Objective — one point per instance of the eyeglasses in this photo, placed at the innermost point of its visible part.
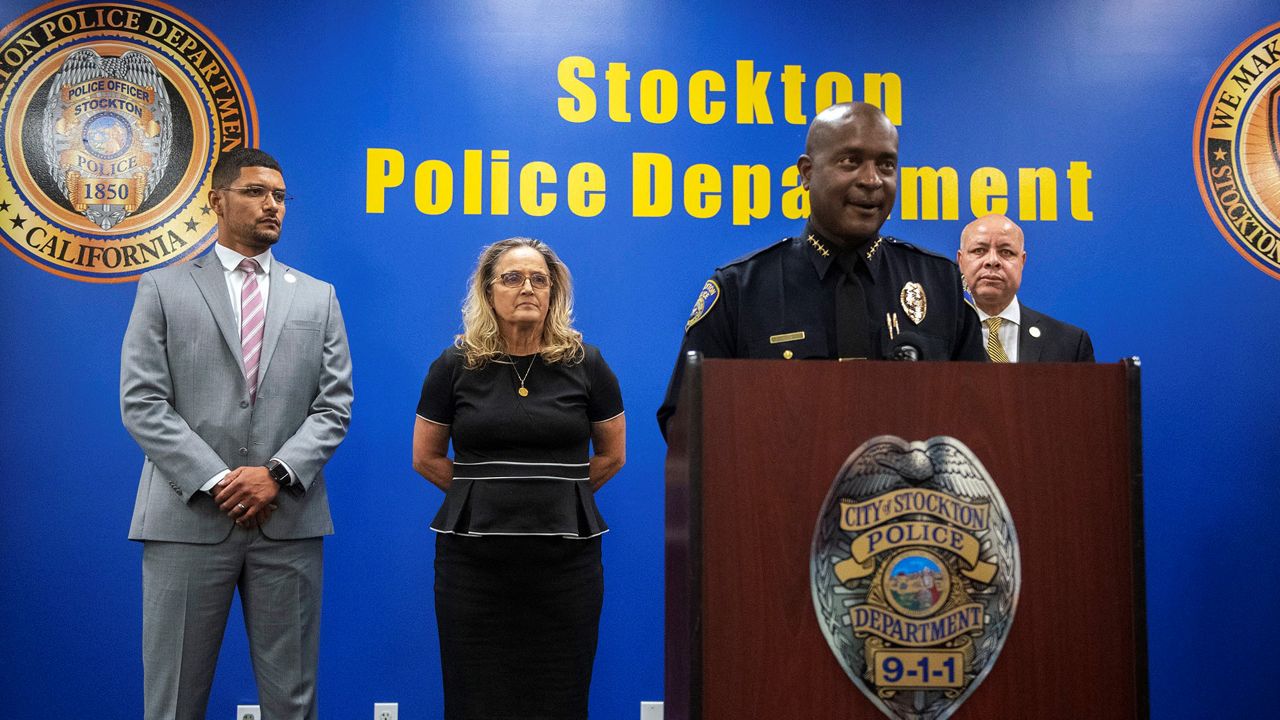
(513, 279)
(257, 192)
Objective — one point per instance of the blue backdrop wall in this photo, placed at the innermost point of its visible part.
(1103, 95)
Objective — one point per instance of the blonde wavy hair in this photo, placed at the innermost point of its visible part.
(481, 339)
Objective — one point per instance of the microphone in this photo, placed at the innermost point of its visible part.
(906, 346)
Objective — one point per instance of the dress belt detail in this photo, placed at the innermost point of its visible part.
(512, 470)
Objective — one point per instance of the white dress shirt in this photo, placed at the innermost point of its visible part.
(1012, 320)
(235, 277)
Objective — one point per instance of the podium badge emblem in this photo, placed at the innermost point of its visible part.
(915, 574)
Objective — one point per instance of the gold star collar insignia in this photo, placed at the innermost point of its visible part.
(874, 247)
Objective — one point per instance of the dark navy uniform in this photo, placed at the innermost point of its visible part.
(779, 302)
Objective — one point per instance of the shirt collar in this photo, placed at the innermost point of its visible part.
(818, 250)
(822, 252)
(230, 259)
(1012, 313)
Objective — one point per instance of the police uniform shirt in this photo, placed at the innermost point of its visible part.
(780, 302)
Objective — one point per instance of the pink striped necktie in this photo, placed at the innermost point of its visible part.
(253, 314)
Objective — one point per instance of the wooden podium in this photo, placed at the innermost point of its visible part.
(753, 450)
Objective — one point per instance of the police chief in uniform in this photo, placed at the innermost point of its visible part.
(840, 290)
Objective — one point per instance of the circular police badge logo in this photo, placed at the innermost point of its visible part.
(916, 583)
(1237, 149)
(113, 115)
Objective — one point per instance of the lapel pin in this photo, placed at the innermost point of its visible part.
(1034, 331)
(290, 277)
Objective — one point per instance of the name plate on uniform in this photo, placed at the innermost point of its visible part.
(915, 574)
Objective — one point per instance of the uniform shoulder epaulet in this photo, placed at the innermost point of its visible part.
(915, 248)
(756, 253)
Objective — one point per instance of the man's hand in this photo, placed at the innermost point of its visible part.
(247, 493)
(260, 519)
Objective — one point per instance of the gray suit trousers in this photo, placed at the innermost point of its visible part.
(186, 596)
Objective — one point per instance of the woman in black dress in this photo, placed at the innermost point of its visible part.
(535, 418)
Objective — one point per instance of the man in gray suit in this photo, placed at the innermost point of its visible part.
(992, 255)
(235, 379)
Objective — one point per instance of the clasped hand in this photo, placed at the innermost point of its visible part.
(246, 495)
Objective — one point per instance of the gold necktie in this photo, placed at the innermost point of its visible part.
(995, 350)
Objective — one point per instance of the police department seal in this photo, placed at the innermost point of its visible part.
(915, 574)
(1237, 149)
(113, 115)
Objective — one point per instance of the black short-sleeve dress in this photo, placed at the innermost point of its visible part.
(519, 582)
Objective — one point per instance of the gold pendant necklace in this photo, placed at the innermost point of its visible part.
(523, 391)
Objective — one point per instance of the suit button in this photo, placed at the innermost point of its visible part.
(244, 403)
(244, 451)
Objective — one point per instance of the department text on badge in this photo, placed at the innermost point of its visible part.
(193, 48)
(917, 633)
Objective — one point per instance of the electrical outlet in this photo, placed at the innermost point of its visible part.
(650, 711)
(386, 711)
(248, 712)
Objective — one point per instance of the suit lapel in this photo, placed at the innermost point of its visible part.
(211, 279)
(1029, 348)
(279, 300)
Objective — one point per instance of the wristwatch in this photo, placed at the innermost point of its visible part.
(279, 473)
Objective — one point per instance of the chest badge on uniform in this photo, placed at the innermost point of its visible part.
(915, 574)
(914, 303)
(706, 300)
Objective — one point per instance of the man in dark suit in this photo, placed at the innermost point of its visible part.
(992, 257)
(235, 380)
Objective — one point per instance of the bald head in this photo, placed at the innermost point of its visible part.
(993, 224)
(992, 256)
(827, 122)
(850, 168)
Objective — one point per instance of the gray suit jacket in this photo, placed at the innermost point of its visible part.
(184, 399)
(1054, 341)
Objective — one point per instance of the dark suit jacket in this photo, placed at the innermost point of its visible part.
(1058, 341)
